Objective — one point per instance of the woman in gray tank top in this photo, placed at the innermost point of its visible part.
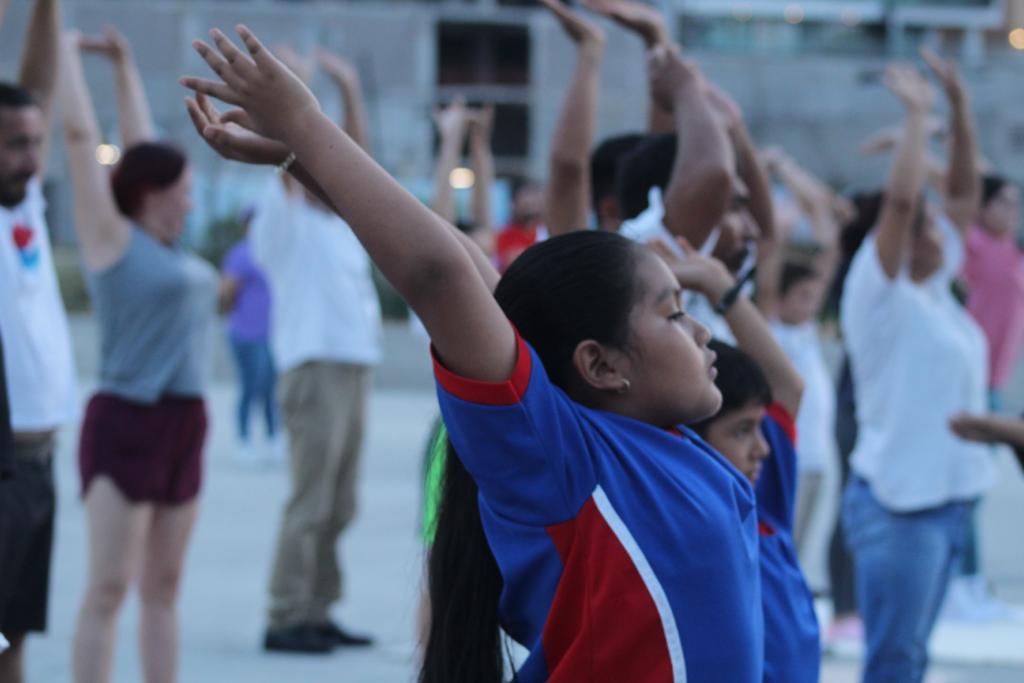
(143, 432)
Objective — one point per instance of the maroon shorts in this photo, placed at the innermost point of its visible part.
(153, 453)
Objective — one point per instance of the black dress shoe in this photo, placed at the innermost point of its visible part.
(300, 638)
(339, 636)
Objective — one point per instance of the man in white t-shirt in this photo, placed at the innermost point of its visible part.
(704, 184)
(325, 335)
(38, 364)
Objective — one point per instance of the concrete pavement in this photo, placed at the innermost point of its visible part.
(224, 595)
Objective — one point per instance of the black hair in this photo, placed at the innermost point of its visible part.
(604, 165)
(558, 293)
(15, 96)
(991, 185)
(740, 380)
(794, 273)
(648, 165)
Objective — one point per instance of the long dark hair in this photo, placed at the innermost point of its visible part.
(558, 293)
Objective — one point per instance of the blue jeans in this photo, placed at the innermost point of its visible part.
(258, 376)
(903, 563)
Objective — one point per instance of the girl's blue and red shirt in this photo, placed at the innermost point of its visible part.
(792, 648)
(628, 553)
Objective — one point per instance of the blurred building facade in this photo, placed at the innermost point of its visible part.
(806, 72)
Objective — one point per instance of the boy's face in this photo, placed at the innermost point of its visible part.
(737, 435)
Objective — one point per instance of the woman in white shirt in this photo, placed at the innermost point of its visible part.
(917, 359)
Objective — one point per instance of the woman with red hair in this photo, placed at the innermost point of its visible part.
(143, 432)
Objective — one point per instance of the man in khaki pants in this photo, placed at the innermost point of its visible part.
(325, 334)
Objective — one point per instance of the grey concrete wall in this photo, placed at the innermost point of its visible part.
(816, 106)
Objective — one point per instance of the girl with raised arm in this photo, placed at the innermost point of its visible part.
(917, 358)
(579, 514)
(143, 432)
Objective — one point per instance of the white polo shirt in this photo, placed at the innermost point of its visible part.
(917, 358)
(39, 366)
(649, 226)
(816, 420)
(325, 306)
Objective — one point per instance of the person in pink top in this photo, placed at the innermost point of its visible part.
(994, 275)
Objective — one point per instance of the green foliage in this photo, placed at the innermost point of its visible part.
(219, 236)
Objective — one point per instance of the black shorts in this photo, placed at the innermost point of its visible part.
(27, 507)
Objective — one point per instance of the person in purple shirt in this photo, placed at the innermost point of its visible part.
(245, 296)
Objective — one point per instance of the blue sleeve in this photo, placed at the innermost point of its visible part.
(521, 440)
(776, 489)
(233, 265)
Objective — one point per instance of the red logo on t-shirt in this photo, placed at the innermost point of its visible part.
(24, 240)
(22, 236)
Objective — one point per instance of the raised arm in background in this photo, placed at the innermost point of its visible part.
(568, 189)
(39, 69)
(452, 122)
(748, 162)
(133, 113)
(817, 202)
(963, 180)
(906, 178)
(648, 23)
(418, 252)
(103, 234)
(3, 10)
(700, 188)
(346, 79)
(710, 277)
(481, 127)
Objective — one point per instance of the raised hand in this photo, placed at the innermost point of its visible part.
(276, 100)
(911, 87)
(580, 30)
(451, 121)
(695, 271)
(481, 122)
(340, 70)
(112, 44)
(644, 20)
(669, 74)
(947, 74)
(229, 134)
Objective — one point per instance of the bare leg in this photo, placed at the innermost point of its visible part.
(12, 660)
(162, 566)
(117, 530)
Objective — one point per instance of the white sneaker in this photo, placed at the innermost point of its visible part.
(969, 599)
(246, 454)
(276, 450)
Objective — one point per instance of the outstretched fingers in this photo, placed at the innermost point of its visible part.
(260, 55)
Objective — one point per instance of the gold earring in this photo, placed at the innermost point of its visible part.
(625, 386)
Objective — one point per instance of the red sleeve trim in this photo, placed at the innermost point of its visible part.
(782, 416)
(506, 393)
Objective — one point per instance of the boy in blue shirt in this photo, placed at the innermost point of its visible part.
(755, 431)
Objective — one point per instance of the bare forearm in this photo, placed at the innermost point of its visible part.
(963, 181)
(40, 56)
(1006, 430)
(3, 11)
(356, 121)
(659, 119)
(443, 201)
(754, 337)
(99, 227)
(700, 188)
(753, 174)
(483, 169)
(134, 116)
(906, 180)
(568, 190)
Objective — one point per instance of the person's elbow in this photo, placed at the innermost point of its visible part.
(694, 205)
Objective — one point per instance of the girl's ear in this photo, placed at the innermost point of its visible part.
(599, 367)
